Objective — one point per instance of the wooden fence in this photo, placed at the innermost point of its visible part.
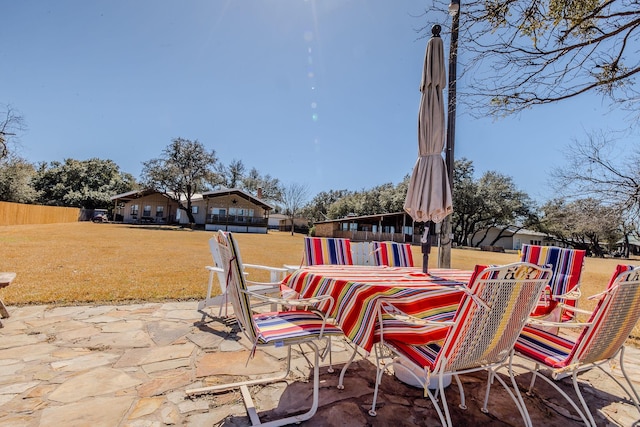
(20, 214)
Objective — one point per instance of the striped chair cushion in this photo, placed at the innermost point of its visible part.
(291, 325)
(567, 267)
(420, 355)
(544, 346)
(323, 251)
(558, 352)
(398, 330)
(393, 254)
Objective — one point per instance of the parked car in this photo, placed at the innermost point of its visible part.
(100, 215)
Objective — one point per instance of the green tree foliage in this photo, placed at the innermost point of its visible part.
(185, 168)
(318, 208)
(546, 51)
(231, 176)
(16, 175)
(491, 201)
(385, 198)
(81, 183)
(272, 189)
(583, 223)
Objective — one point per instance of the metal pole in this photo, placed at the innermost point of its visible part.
(446, 234)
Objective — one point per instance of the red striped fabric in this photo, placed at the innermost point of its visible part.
(291, 325)
(478, 334)
(611, 322)
(331, 251)
(393, 254)
(567, 268)
(357, 291)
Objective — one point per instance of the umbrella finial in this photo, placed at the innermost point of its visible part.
(435, 30)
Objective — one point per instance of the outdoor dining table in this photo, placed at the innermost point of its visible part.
(358, 290)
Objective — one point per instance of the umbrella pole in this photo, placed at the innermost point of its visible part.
(425, 243)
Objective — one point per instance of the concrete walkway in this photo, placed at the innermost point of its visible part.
(130, 366)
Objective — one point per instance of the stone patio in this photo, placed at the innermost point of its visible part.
(130, 366)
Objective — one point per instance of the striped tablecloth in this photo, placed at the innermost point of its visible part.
(358, 290)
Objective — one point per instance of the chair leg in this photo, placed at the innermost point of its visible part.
(229, 386)
(535, 373)
(574, 380)
(345, 367)
(249, 401)
(380, 368)
(633, 394)
(516, 397)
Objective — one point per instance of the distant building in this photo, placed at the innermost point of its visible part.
(396, 227)
(511, 238)
(228, 209)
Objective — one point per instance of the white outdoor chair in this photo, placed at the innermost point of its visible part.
(265, 288)
(480, 337)
(601, 340)
(302, 324)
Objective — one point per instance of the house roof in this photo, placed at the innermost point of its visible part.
(239, 193)
(136, 194)
(363, 217)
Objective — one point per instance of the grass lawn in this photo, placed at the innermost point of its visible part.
(98, 263)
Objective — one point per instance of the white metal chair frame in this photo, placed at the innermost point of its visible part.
(240, 298)
(607, 323)
(488, 321)
(264, 288)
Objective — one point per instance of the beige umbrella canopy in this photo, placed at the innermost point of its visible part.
(429, 194)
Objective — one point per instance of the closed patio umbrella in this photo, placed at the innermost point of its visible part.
(429, 194)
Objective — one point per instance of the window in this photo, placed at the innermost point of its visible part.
(134, 210)
(147, 211)
(159, 211)
(194, 209)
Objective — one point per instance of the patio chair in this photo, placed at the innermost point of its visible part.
(393, 254)
(564, 288)
(300, 325)
(327, 250)
(324, 251)
(481, 335)
(601, 339)
(266, 288)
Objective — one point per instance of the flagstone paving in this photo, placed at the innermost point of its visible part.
(130, 365)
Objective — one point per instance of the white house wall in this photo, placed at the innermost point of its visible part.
(199, 217)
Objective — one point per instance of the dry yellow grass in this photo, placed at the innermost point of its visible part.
(97, 263)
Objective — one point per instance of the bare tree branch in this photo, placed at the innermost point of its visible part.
(516, 54)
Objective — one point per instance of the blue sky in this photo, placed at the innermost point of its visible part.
(322, 93)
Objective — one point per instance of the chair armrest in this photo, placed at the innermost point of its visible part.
(401, 316)
(538, 322)
(214, 269)
(574, 309)
(573, 294)
(265, 267)
(291, 268)
(277, 273)
(297, 303)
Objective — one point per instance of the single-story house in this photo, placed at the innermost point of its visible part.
(512, 238)
(396, 227)
(145, 206)
(227, 209)
(282, 222)
(236, 210)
